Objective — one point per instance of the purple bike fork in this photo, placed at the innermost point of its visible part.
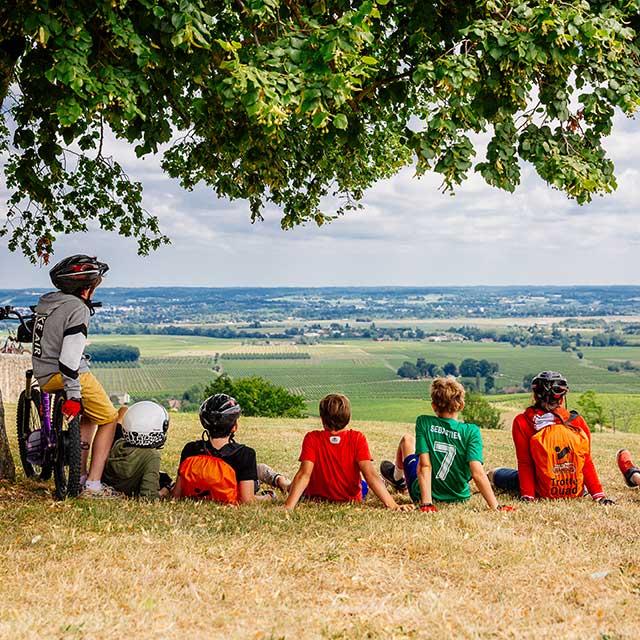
(45, 412)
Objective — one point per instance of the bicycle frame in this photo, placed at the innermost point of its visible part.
(45, 412)
(56, 450)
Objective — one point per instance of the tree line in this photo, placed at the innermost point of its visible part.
(113, 353)
(468, 368)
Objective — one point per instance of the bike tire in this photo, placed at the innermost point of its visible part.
(68, 454)
(27, 421)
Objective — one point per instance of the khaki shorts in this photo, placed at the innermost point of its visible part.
(96, 405)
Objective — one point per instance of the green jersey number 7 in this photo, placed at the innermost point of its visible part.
(450, 453)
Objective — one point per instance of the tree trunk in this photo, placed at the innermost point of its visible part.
(11, 48)
(7, 468)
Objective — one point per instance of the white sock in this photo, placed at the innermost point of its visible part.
(93, 485)
(398, 474)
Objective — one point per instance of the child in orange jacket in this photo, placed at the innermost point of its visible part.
(553, 448)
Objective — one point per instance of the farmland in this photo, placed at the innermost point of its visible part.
(366, 370)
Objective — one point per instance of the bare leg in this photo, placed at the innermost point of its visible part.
(406, 447)
(277, 480)
(87, 432)
(283, 483)
(100, 450)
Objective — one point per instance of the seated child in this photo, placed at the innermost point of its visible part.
(444, 456)
(553, 448)
(630, 472)
(333, 458)
(133, 465)
(218, 468)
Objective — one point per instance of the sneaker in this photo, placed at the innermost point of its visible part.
(267, 475)
(387, 469)
(626, 466)
(105, 492)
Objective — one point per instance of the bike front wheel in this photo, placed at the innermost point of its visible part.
(68, 455)
(33, 452)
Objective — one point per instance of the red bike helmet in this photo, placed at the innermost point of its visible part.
(77, 272)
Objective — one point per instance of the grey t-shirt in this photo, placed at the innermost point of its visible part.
(59, 339)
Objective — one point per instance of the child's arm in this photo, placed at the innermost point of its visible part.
(591, 479)
(482, 482)
(299, 484)
(246, 491)
(176, 492)
(376, 485)
(74, 340)
(424, 478)
(526, 467)
(150, 483)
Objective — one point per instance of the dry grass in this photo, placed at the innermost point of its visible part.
(120, 569)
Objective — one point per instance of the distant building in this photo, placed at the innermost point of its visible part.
(120, 398)
(512, 390)
(175, 404)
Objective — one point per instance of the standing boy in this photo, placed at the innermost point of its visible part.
(59, 339)
(445, 455)
(334, 458)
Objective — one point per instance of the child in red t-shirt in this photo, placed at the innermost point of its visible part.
(332, 461)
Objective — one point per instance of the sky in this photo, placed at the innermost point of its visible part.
(407, 234)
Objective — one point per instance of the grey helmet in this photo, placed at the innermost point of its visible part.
(549, 386)
(218, 414)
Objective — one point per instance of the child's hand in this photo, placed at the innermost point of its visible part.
(404, 507)
(605, 501)
(71, 408)
(428, 508)
(505, 507)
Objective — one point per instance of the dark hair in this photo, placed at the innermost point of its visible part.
(335, 411)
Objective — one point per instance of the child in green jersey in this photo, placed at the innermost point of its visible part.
(444, 456)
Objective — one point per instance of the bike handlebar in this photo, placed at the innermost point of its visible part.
(7, 312)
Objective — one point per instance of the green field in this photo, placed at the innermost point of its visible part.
(366, 371)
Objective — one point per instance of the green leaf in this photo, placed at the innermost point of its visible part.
(340, 121)
(320, 119)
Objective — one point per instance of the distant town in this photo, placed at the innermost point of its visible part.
(361, 305)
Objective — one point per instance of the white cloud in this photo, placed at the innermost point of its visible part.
(408, 233)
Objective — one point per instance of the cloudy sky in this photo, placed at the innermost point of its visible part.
(407, 234)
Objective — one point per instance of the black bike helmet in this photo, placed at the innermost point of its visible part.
(549, 386)
(218, 414)
(77, 272)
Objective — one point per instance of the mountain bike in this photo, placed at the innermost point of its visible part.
(47, 442)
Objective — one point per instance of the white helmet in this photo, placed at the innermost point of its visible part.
(145, 425)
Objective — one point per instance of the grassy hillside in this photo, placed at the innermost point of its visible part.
(114, 569)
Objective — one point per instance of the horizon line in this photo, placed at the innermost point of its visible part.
(104, 287)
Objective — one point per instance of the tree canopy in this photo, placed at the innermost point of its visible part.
(289, 101)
